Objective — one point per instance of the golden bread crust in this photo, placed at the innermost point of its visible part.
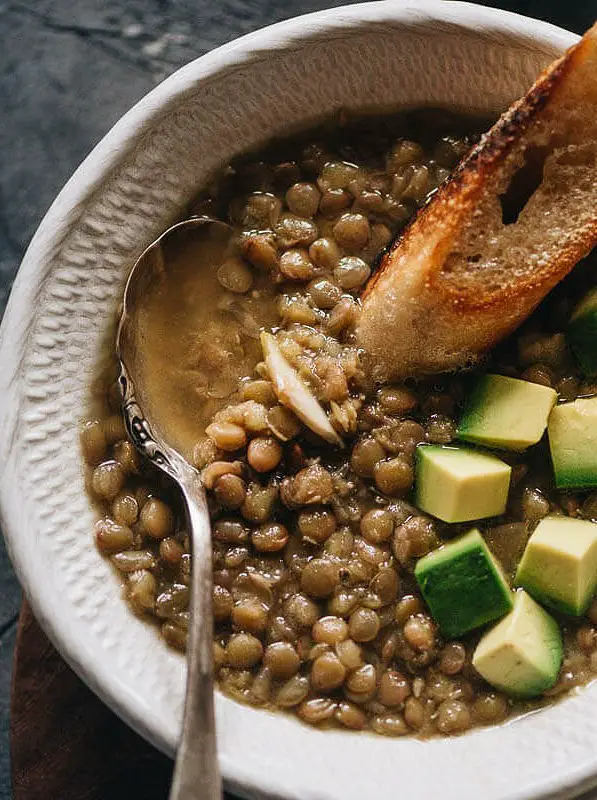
(460, 278)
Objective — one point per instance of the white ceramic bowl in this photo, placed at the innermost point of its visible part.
(128, 190)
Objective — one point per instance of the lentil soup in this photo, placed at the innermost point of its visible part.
(317, 606)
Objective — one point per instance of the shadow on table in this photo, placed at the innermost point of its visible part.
(65, 743)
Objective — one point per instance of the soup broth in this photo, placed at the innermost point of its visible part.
(317, 609)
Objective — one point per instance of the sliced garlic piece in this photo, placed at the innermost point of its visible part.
(292, 392)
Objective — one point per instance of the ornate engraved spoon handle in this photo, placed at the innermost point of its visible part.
(196, 772)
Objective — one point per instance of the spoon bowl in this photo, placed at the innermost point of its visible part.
(147, 278)
(196, 774)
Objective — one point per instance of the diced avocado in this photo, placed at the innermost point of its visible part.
(458, 484)
(506, 412)
(582, 333)
(559, 564)
(521, 655)
(463, 585)
(572, 430)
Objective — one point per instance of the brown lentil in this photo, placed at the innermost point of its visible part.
(489, 708)
(451, 658)
(134, 560)
(301, 611)
(330, 630)
(352, 232)
(333, 201)
(171, 551)
(310, 486)
(342, 316)
(112, 537)
(243, 650)
(282, 660)
(235, 275)
(419, 632)
(386, 585)
(292, 692)
(258, 391)
(226, 435)
(259, 502)
(125, 509)
(534, 505)
(389, 725)
(396, 400)
(366, 454)
(270, 538)
(586, 636)
(327, 673)
(349, 653)
(319, 578)
(323, 293)
(293, 231)
(393, 476)
(317, 710)
(114, 429)
(260, 250)
(264, 454)
(351, 716)
(453, 717)
(393, 689)
(157, 519)
(363, 625)
(141, 590)
(414, 713)
(295, 265)
(303, 199)
(363, 680)
(413, 538)
(214, 471)
(377, 525)
(230, 531)
(407, 607)
(174, 635)
(316, 524)
(351, 273)
(325, 253)
(249, 615)
(107, 480)
(222, 603)
(230, 491)
(283, 423)
(93, 442)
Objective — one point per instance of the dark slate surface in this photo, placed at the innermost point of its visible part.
(67, 72)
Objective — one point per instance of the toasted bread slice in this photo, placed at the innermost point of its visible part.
(468, 270)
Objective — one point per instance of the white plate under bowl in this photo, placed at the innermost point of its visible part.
(128, 190)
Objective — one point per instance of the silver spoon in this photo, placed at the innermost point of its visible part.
(196, 772)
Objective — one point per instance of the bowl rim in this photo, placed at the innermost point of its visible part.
(64, 212)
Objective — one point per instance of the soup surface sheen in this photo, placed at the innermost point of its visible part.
(316, 607)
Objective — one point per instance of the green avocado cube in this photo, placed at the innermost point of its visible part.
(506, 412)
(522, 654)
(463, 585)
(459, 484)
(559, 564)
(572, 430)
(582, 333)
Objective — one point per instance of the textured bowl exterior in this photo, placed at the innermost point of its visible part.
(128, 190)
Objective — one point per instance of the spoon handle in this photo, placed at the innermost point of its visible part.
(196, 772)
